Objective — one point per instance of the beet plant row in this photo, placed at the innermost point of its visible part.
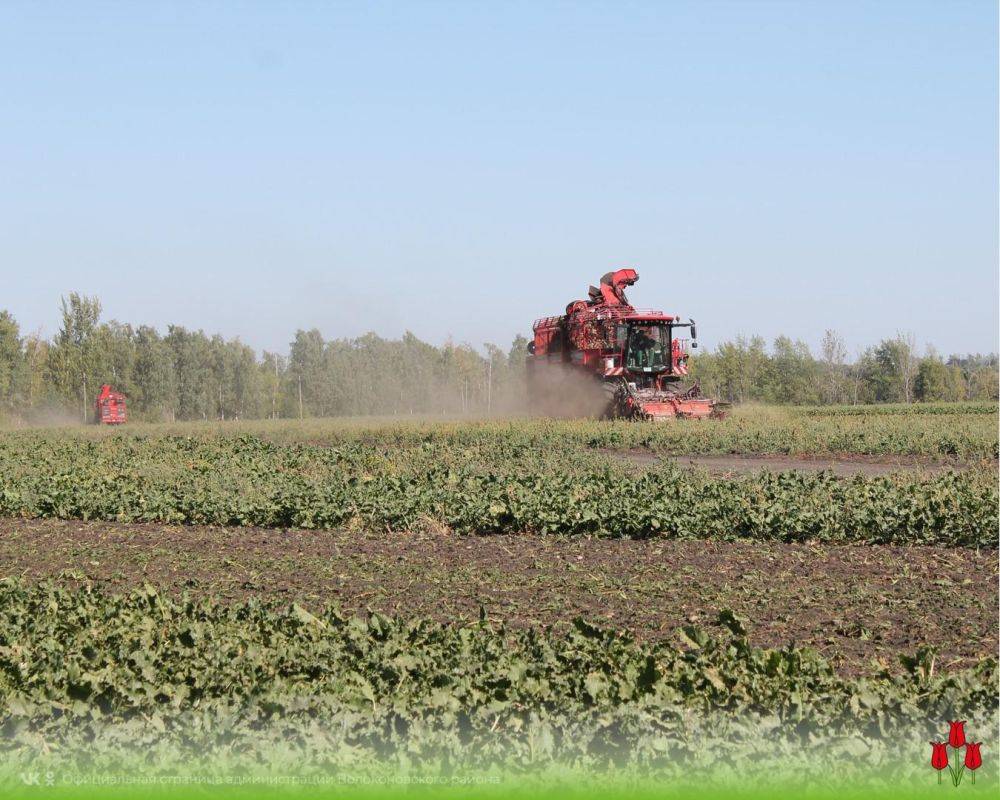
(507, 487)
(83, 673)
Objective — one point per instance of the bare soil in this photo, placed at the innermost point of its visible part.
(842, 466)
(861, 606)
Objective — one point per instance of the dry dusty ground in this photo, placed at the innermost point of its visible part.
(862, 606)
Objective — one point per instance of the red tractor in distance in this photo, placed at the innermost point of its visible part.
(110, 407)
(605, 358)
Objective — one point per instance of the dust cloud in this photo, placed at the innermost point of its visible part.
(564, 391)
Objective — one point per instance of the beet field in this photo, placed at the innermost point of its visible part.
(805, 589)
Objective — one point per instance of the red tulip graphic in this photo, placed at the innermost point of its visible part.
(956, 736)
(941, 760)
(973, 758)
(939, 757)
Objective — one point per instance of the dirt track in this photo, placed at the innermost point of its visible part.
(843, 466)
(859, 605)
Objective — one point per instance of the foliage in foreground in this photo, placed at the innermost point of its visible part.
(498, 483)
(84, 674)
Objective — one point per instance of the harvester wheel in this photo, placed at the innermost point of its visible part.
(610, 392)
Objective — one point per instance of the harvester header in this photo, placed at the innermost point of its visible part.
(607, 358)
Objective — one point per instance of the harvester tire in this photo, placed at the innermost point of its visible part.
(613, 396)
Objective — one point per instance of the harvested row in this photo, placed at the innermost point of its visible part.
(86, 675)
(508, 487)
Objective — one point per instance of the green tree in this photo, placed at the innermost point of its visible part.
(833, 356)
(75, 359)
(115, 344)
(889, 370)
(938, 382)
(196, 391)
(307, 374)
(36, 390)
(741, 369)
(244, 391)
(979, 373)
(272, 370)
(793, 375)
(12, 367)
(154, 391)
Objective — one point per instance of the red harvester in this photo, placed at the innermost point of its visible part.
(109, 407)
(606, 358)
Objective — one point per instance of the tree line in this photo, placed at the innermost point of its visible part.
(893, 371)
(190, 375)
(187, 375)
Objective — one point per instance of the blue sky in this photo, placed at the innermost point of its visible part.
(458, 169)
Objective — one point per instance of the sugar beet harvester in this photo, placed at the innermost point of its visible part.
(605, 358)
(109, 407)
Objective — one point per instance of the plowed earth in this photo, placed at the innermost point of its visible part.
(861, 606)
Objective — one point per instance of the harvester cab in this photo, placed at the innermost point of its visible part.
(631, 362)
